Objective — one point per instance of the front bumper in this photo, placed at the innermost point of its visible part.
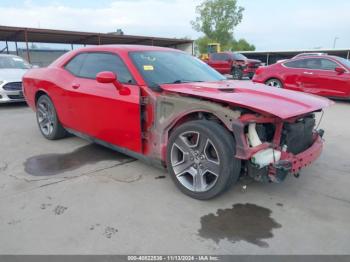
(289, 164)
(9, 96)
(292, 164)
(305, 158)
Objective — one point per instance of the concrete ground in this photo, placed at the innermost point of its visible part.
(84, 199)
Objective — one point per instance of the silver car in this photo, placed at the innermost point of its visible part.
(12, 68)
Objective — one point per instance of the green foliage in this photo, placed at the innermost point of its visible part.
(202, 44)
(241, 45)
(217, 19)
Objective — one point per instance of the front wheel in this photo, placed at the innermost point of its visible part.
(47, 119)
(274, 83)
(201, 159)
(237, 73)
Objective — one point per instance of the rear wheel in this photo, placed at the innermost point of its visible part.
(47, 119)
(200, 159)
(274, 82)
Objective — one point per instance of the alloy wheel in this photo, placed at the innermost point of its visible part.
(274, 83)
(46, 117)
(195, 161)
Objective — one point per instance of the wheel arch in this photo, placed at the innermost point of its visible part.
(38, 94)
(274, 77)
(192, 116)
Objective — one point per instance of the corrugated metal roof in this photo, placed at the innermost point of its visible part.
(23, 34)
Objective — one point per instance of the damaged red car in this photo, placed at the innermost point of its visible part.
(170, 109)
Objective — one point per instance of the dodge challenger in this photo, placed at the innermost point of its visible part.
(170, 109)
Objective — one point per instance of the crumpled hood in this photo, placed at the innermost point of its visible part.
(279, 102)
(12, 74)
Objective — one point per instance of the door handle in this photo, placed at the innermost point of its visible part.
(75, 85)
(308, 73)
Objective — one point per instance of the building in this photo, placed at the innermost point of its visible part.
(271, 57)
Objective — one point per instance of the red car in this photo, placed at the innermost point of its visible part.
(322, 75)
(170, 109)
(233, 63)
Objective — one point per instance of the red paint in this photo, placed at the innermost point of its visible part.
(228, 61)
(124, 114)
(281, 103)
(329, 83)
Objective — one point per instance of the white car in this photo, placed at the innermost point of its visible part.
(12, 68)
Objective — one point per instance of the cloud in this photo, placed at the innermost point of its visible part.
(142, 17)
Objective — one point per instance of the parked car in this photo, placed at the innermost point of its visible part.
(301, 55)
(12, 68)
(235, 64)
(321, 75)
(170, 109)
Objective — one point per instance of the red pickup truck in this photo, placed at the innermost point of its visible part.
(233, 63)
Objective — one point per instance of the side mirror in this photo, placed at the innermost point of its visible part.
(340, 70)
(108, 77)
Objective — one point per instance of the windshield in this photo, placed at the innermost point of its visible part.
(238, 56)
(344, 61)
(13, 62)
(165, 67)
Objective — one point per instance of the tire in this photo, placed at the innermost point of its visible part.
(274, 83)
(200, 159)
(47, 119)
(237, 73)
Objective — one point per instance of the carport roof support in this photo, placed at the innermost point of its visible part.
(37, 35)
(8, 33)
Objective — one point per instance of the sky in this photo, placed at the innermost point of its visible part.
(268, 24)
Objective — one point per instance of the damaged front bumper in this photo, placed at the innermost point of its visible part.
(292, 164)
(287, 164)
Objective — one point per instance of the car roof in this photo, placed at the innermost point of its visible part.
(127, 48)
(313, 57)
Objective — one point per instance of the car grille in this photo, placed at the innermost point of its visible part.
(15, 96)
(13, 86)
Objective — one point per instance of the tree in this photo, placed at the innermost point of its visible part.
(241, 45)
(217, 19)
(202, 44)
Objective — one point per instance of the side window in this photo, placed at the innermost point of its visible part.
(296, 64)
(225, 57)
(219, 57)
(215, 57)
(74, 65)
(313, 63)
(328, 64)
(95, 63)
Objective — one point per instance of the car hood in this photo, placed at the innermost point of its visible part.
(253, 61)
(258, 97)
(12, 74)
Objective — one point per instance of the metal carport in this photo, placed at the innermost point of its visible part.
(38, 35)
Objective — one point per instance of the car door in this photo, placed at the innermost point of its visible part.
(220, 62)
(292, 74)
(328, 82)
(99, 110)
